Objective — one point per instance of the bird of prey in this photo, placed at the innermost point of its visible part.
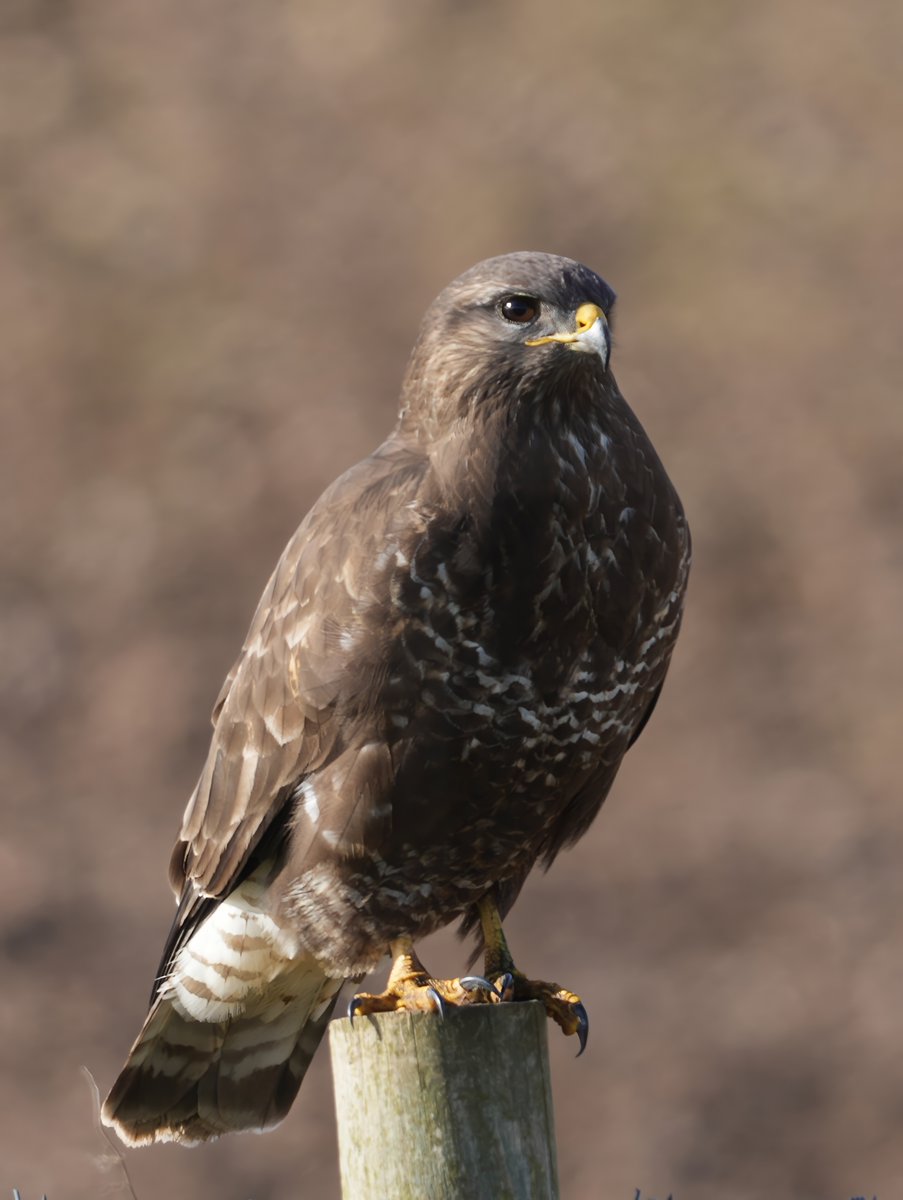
(455, 651)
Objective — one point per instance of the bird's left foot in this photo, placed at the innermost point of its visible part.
(565, 1008)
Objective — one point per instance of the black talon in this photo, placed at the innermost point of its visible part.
(506, 982)
(437, 1000)
(353, 1005)
(471, 983)
(582, 1027)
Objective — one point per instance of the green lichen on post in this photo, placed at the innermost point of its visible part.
(445, 1108)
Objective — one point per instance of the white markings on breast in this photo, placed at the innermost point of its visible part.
(577, 446)
(498, 685)
(531, 719)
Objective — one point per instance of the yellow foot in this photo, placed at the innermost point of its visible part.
(565, 1008)
(562, 1006)
(421, 993)
(412, 989)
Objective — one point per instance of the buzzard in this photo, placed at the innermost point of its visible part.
(454, 653)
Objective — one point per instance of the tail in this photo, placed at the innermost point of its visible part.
(229, 1037)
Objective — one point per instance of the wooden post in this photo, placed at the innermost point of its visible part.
(438, 1109)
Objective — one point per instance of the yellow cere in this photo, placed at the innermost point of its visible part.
(587, 316)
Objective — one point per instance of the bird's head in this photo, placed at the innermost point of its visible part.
(509, 329)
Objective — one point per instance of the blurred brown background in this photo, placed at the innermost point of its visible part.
(220, 225)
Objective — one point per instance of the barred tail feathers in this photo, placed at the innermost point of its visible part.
(230, 1035)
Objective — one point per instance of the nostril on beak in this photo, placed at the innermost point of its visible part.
(586, 316)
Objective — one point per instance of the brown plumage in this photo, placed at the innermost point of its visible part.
(454, 653)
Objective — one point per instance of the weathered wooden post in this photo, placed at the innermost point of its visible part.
(434, 1108)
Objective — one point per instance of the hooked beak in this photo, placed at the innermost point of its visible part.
(590, 335)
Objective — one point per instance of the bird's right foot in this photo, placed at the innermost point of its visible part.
(411, 988)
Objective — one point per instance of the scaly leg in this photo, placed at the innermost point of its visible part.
(561, 1005)
(411, 988)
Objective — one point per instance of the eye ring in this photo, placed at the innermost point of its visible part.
(519, 309)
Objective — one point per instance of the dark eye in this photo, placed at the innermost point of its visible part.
(521, 309)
